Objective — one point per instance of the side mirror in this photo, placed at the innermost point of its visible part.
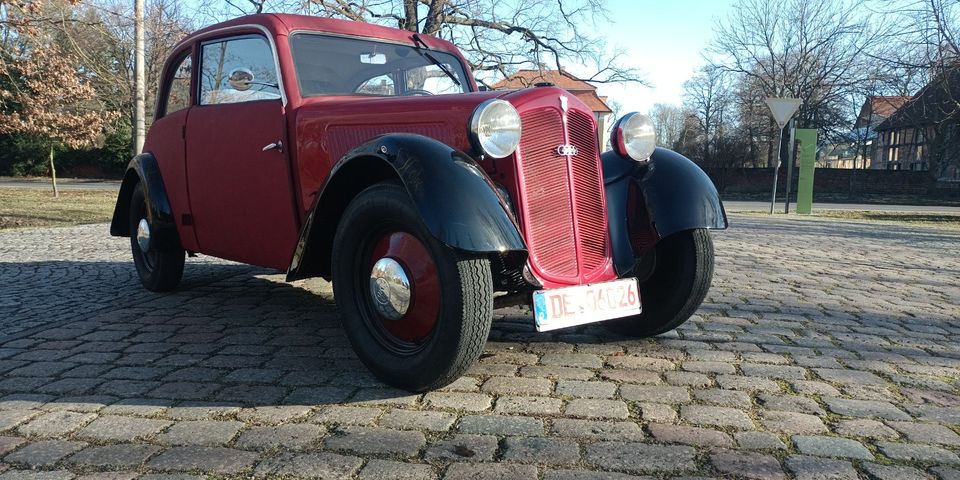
(240, 78)
(373, 58)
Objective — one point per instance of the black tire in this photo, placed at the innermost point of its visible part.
(465, 295)
(159, 270)
(676, 287)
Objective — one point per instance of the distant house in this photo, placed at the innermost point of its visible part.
(923, 133)
(856, 148)
(876, 109)
(582, 90)
(851, 153)
(840, 155)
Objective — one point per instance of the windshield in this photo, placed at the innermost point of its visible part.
(328, 65)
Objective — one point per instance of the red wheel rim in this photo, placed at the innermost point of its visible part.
(424, 310)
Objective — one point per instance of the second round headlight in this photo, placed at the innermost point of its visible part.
(495, 128)
(633, 136)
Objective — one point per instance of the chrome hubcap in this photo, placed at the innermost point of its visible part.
(143, 235)
(390, 289)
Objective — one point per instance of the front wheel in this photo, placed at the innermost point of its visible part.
(416, 311)
(682, 271)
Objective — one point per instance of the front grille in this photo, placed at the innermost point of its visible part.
(563, 211)
(547, 207)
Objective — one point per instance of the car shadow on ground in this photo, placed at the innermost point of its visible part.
(229, 336)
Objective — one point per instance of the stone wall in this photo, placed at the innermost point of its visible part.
(826, 181)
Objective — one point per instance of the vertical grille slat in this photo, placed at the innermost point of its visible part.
(591, 216)
(563, 210)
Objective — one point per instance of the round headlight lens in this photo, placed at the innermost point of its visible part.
(495, 128)
(633, 136)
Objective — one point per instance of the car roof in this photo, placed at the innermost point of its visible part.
(286, 23)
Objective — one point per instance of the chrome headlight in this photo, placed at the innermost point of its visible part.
(633, 136)
(495, 128)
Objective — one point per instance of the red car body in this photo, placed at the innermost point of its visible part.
(266, 182)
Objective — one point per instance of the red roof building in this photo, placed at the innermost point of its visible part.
(877, 109)
(585, 92)
(922, 133)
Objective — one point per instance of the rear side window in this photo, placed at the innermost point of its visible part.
(236, 70)
(178, 93)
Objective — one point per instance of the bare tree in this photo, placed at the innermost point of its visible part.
(927, 35)
(814, 51)
(497, 37)
(755, 123)
(668, 122)
(616, 111)
(929, 40)
(707, 95)
(102, 41)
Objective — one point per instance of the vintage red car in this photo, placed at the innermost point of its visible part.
(368, 156)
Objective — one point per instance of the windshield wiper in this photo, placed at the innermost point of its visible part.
(438, 63)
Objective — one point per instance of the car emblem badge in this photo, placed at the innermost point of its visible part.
(563, 103)
(567, 150)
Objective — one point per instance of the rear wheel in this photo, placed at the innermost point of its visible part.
(416, 311)
(676, 287)
(159, 270)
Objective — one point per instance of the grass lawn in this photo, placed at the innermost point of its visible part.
(37, 207)
(943, 220)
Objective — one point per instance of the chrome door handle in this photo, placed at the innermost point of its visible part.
(278, 146)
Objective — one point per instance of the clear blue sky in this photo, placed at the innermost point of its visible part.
(664, 39)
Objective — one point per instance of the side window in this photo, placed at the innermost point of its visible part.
(238, 70)
(178, 95)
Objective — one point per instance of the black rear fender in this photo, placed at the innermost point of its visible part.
(144, 171)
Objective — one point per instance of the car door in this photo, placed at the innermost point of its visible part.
(237, 163)
(165, 140)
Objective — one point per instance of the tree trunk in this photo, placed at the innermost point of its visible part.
(411, 20)
(770, 135)
(853, 172)
(851, 182)
(53, 174)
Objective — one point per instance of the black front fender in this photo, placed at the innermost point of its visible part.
(675, 195)
(457, 201)
(143, 169)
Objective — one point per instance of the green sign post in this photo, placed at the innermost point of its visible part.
(808, 159)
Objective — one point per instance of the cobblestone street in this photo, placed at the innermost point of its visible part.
(825, 350)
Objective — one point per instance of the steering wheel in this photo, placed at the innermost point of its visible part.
(417, 92)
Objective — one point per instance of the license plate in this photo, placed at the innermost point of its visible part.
(580, 304)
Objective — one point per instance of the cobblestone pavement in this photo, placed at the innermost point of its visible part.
(826, 350)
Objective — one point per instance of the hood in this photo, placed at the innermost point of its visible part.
(330, 126)
(443, 117)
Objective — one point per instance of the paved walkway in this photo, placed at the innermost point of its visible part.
(825, 350)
